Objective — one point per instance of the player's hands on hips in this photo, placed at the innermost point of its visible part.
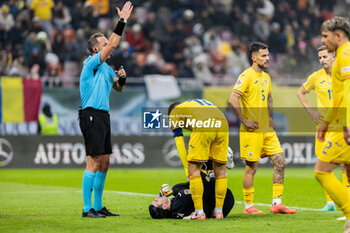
(126, 11)
(121, 72)
(251, 125)
(322, 131)
(347, 135)
(316, 116)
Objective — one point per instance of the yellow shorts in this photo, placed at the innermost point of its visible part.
(208, 145)
(254, 145)
(335, 149)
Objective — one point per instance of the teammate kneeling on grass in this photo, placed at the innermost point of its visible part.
(209, 140)
(181, 206)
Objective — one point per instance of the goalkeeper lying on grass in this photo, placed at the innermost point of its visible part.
(181, 205)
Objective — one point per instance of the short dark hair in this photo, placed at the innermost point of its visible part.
(321, 48)
(93, 40)
(337, 23)
(256, 46)
(158, 212)
(172, 106)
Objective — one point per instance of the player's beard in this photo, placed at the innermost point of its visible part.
(263, 66)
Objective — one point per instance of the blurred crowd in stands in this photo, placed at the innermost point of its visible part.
(201, 39)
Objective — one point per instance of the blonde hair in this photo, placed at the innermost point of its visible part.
(337, 23)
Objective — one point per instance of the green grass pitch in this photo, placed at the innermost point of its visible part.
(51, 201)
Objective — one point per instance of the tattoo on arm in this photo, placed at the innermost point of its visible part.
(279, 167)
(270, 105)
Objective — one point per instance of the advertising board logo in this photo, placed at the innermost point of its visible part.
(170, 154)
(151, 120)
(6, 152)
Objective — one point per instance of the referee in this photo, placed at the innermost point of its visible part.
(96, 82)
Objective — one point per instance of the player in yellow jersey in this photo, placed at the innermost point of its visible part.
(335, 35)
(321, 82)
(257, 137)
(209, 140)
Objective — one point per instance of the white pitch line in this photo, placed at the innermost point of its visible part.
(148, 195)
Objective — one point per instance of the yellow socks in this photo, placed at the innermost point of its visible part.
(248, 195)
(220, 191)
(277, 191)
(336, 190)
(328, 198)
(196, 187)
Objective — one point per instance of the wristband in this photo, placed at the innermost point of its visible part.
(119, 28)
(121, 81)
(177, 132)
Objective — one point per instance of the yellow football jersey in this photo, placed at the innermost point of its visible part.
(198, 115)
(254, 88)
(341, 86)
(321, 83)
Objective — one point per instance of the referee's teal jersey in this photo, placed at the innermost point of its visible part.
(96, 81)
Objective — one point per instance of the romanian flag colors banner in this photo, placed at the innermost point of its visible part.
(20, 99)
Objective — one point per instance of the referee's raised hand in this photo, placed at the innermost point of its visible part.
(126, 11)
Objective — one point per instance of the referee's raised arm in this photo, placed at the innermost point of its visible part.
(114, 39)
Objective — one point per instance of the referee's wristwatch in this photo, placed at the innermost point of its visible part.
(122, 20)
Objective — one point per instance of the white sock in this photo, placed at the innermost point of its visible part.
(276, 201)
(218, 210)
(248, 206)
(331, 203)
(199, 212)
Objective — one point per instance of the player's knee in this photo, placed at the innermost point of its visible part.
(104, 166)
(282, 165)
(96, 165)
(251, 170)
(219, 169)
(194, 168)
(254, 171)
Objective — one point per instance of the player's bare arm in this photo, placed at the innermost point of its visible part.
(119, 83)
(315, 115)
(270, 107)
(114, 39)
(235, 105)
(322, 131)
(279, 167)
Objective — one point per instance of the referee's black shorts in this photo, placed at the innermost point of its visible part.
(95, 126)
